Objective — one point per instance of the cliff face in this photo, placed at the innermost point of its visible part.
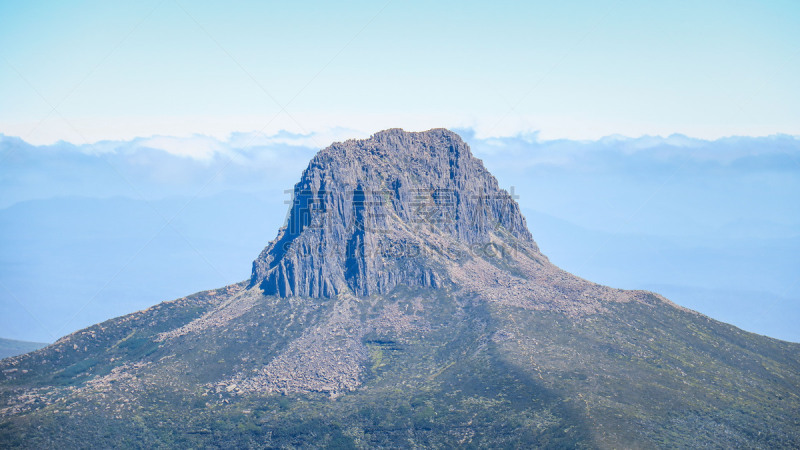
(365, 211)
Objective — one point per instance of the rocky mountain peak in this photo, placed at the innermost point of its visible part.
(365, 210)
(472, 339)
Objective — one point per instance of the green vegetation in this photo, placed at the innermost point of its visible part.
(477, 375)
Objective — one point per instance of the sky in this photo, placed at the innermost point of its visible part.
(89, 71)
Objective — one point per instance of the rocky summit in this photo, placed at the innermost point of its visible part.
(363, 210)
(405, 304)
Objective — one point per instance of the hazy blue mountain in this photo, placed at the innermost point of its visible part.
(10, 347)
(746, 282)
(70, 262)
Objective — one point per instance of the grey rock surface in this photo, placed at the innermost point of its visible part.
(361, 207)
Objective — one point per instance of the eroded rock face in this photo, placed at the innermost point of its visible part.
(366, 212)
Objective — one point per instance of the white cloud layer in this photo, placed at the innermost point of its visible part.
(320, 129)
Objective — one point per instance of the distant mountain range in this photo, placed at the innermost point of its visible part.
(10, 347)
(405, 303)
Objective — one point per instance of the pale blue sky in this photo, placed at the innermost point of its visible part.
(575, 69)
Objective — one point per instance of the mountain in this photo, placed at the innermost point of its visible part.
(11, 347)
(405, 304)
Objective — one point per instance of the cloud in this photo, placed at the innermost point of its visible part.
(780, 152)
(160, 166)
(317, 140)
(197, 147)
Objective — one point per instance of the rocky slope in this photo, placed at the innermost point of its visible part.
(406, 304)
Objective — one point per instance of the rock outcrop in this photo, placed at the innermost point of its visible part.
(366, 210)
